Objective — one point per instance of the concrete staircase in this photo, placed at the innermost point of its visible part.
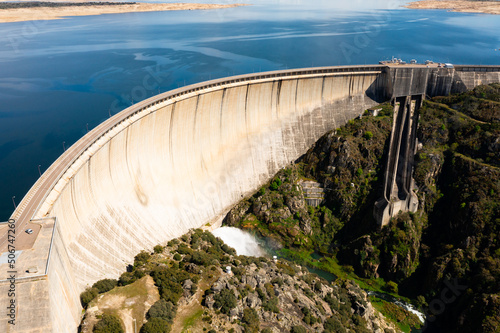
(314, 192)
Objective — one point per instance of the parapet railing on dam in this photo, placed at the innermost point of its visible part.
(133, 113)
(473, 68)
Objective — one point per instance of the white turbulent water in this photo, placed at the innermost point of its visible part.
(412, 309)
(243, 242)
(402, 304)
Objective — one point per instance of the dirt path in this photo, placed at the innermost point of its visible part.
(189, 312)
(129, 302)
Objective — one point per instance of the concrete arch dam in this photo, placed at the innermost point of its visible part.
(181, 160)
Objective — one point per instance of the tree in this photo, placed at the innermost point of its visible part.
(141, 258)
(162, 309)
(104, 285)
(158, 249)
(225, 300)
(251, 319)
(108, 324)
(298, 329)
(87, 296)
(332, 324)
(156, 325)
(127, 278)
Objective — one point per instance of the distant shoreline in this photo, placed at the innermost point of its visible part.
(464, 6)
(54, 10)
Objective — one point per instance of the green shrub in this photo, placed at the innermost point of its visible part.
(87, 296)
(271, 305)
(177, 256)
(298, 329)
(333, 325)
(276, 184)
(162, 309)
(105, 285)
(251, 318)
(126, 278)
(261, 294)
(184, 249)
(392, 287)
(278, 281)
(142, 258)
(225, 301)
(332, 301)
(156, 325)
(201, 258)
(158, 249)
(108, 324)
(368, 135)
(229, 250)
(169, 282)
(173, 242)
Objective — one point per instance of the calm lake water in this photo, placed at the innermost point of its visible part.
(58, 77)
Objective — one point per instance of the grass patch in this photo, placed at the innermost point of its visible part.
(192, 320)
(404, 319)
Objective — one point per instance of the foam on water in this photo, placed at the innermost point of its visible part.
(243, 242)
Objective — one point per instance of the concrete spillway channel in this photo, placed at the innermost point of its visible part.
(177, 161)
(398, 182)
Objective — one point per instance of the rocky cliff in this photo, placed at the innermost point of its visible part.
(204, 285)
(448, 247)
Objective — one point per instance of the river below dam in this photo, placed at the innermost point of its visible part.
(247, 244)
(61, 78)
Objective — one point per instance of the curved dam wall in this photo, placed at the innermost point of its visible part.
(177, 161)
(185, 161)
(181, 160)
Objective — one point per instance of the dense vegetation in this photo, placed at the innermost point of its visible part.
(451, 245)
(259, 295)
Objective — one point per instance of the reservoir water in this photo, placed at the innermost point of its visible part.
(59, 78)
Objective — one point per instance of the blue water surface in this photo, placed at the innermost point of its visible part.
(59, 77)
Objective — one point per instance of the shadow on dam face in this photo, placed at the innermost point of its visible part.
(181, 160)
